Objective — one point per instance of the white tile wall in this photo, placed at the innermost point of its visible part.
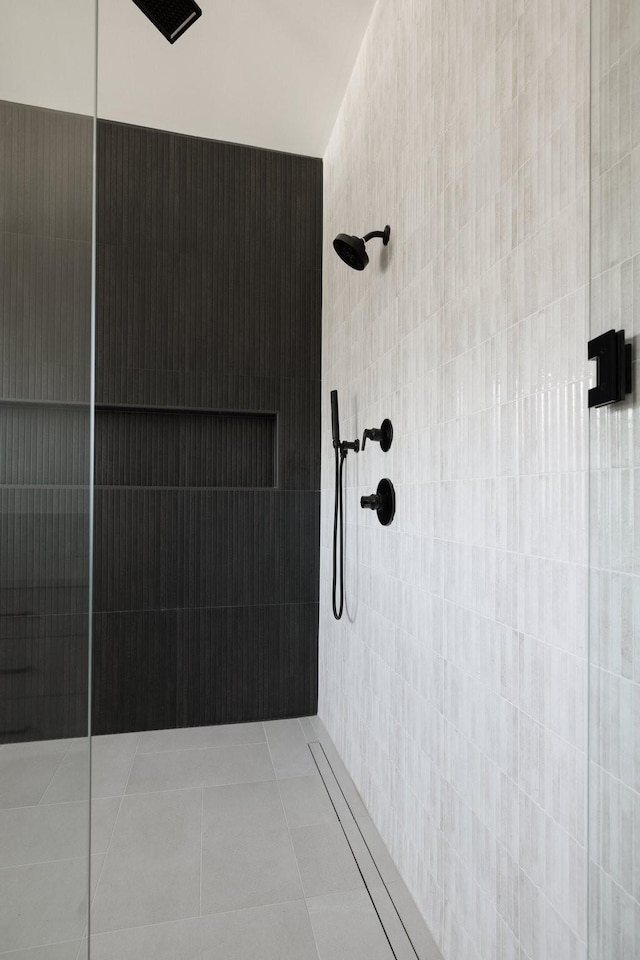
(614, 782)
(455, 684)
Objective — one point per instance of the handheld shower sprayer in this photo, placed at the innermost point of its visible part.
(341, 449)
(383, 501)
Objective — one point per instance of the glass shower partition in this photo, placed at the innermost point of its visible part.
(47, 119)
(614, 636)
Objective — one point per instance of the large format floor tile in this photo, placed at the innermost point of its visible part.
(152, 869)
(325, 860)
(247, 855)
(43, 903)
(289, 750)
(306, 802)
(192, 738)
(111, 759)
(103, 819)
(281, 932)
(208, 855)
(26, 770)
(200, 768)
(346, 927)
(51, 832)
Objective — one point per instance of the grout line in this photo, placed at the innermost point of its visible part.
(92, 898)
(62, 759)
(19, 950)
(39, 863)
(193, 919)
(195, 786)
(48, 806)
(213, 746)
(293, 851)
(84, 939)
(220, 746)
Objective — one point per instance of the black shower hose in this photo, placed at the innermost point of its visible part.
(338, 520)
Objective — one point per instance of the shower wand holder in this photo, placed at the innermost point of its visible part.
(383, 501)
(345, 445)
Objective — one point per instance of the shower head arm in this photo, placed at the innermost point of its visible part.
(383, 234)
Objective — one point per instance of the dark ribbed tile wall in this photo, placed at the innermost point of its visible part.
(207, 428)
(246, 663)
(45, 338)
(207, 508)
(134, 660)
(43, 676)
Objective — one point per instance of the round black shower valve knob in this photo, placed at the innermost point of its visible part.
(383, 501)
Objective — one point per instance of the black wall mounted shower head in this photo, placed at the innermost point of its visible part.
(353, 250)
(171, 17)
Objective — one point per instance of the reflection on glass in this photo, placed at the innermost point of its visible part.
(46, 182)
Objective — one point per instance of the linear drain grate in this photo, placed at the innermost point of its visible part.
(393, 926)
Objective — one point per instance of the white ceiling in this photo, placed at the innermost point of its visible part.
(271, 73)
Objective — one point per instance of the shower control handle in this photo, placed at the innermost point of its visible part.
(383, 501)
(382, 435)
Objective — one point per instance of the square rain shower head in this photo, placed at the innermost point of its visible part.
(171, 17)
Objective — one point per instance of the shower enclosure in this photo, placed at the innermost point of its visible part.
(47, 98)
(48, 848)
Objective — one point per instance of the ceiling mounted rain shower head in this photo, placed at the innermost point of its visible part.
(353, 250)
(171, 17)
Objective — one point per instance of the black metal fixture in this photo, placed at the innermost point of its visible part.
(171, 17)
(614, 376)
(341, 449)
(383, 501)
(382, 435)
(352, 249)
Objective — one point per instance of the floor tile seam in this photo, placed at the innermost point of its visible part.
(53, 775)
(54, 943)
(293, 850)
(194, 918)
(92, 896)
(196, 786)
(383, 882)
(142, 926)
(46, 806)
(219, 746)
(40, 863)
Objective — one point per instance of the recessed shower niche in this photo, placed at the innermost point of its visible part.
(164, 447)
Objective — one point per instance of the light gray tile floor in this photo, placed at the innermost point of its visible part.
(244, 842)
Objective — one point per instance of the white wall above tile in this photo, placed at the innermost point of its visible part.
(270, 73)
